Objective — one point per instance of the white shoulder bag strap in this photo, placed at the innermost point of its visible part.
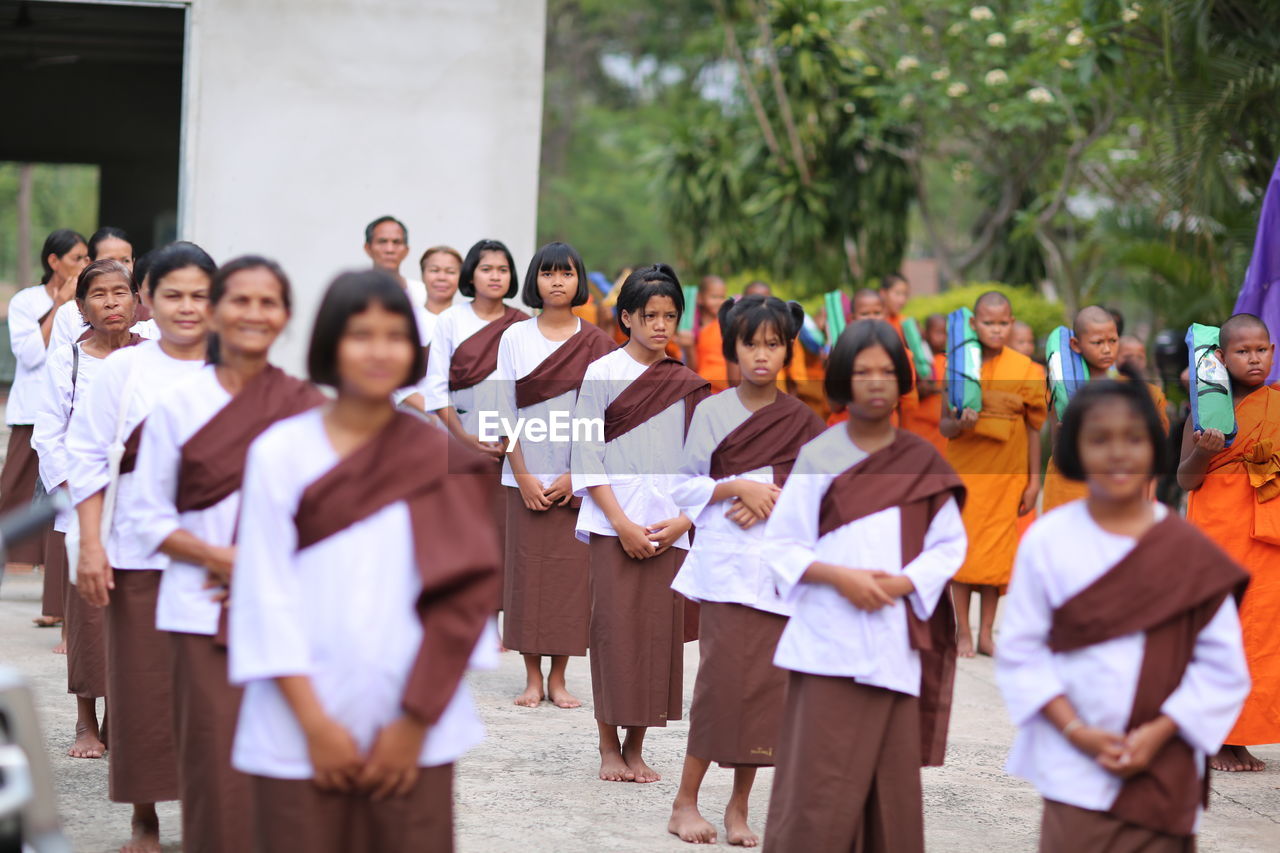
(115, 452)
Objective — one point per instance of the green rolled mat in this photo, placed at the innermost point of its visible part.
(690, 307)
(1066, 368)
(1211, 404)
(919, 349)
(834, 303)
(964, 362)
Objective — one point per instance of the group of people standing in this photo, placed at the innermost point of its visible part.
(279, 589)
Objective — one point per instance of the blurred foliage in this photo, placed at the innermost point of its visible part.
(62, 196)
(1030, 307)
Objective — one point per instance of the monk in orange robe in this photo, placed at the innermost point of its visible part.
(706, 348)
(997, 454)
(1096, 339)
(924, 418)
(1022, 338)
(868, 304)
(1235, 499)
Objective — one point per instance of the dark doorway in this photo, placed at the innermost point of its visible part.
(99, 83)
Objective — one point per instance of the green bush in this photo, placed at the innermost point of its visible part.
(1028, 305)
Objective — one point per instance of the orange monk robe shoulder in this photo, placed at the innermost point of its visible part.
(709, 354)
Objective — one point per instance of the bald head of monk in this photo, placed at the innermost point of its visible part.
(1022, 338)
(992, 320)
(1132, 352)
(1095, 337)
(935, 332)
(867, 305)
(711, 295)
(1245, 347)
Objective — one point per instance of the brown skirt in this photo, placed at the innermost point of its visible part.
(86, 647)
(848, 774)
(547, 600)
(53, 601)
(216, 804)
(1066, 829)
(499, 509)
(739, 696)
(293, 814)
(144, 759)
(637, 627)
(17, 489)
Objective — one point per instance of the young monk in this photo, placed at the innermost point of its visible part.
(895, 292)
(1117, 706)
(464, 353)
(190, 467)
(862, 541)
(635, 532)
(705, 343)
(997, 452)
(740, 448)
(116, 569)
(924, 419)
(1095, 338)
(1134, 352)
(541, 362)
(866, 304)
(106, 295)
(1232, 499)
(364, 575)
(1022, 339)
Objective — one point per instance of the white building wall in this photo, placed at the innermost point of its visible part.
(306, 119)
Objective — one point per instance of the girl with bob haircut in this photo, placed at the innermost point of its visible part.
(635, 533)
(106, 296)
(541, 362)
(863, 541)
(464, 353)
(190, 467)
(1119, 707)
(741, 446)
(116, 569)
(354, 708)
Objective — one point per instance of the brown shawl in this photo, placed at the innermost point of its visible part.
(1181, 579)
(652, 393)
(449, 490)
(771, 436)
(476, 357)
(562, 371)
(211, 465)
(909, 474)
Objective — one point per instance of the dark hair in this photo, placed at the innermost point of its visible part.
(218, 289)
(177, 256)
(57, 243)
(740, 319)
(142, 266)
(1119, 318)
(97, 269)
(554, 256)
(106, 232)
(892, 278)
(1134, 391)
(642, 285)
(438, 250)
(368, 229)
(349, 294)
(858, 336)
(466, 279)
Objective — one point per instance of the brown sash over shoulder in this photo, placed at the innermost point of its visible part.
(476, 357)
(448, 489)
(1181, 579)
(212, 460)
(771, 436)
(909, 474)
(652, 393)
(562, 371)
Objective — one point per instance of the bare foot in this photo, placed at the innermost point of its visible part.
(688, 824)
(1236, 759)
(562, 698)
(531, 697)
(614, 769)
(735, 827)
(1251, 762)
(642, 772)
(146, 837)
(87, 745)
(46, 621)
(964, 645)
(986, 645)
(60, 648)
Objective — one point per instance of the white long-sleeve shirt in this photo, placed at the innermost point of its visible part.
(184, 604)
(453, 326)
(93, 430)
(827, 635)
(522, 348)
(726, 563)
(58, 395)
(1062, 554)
(639, 465)
(25, 310)
(341, 611)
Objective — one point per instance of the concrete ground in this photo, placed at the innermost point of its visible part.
(532, 785)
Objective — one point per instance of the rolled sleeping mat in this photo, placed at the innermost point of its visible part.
(834, 303)
(690, 307)
(920, 351)
(964, 362)
(1066, 368)
(1211, 403)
